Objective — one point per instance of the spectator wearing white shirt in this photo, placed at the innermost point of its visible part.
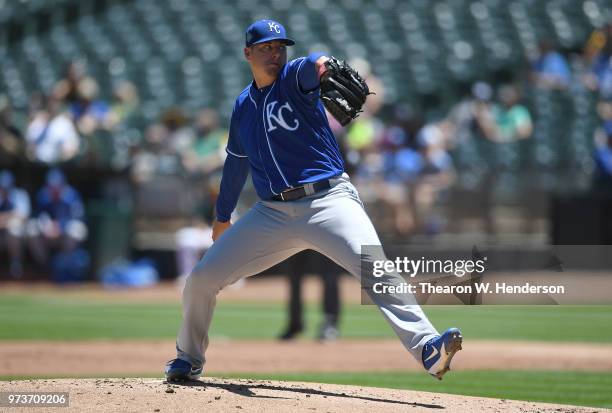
(51, 135)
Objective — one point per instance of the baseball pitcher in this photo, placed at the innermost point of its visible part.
(280, 133)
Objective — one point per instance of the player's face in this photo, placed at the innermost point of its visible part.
(268, 57)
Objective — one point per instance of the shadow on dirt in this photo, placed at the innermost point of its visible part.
(247, 391)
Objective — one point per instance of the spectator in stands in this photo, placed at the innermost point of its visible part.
(403, 128)
(155, 156)
(507, 121)
(464, 114)
(600, 76)
(602, 176)
(550, 69)
(402, 166)
(51, 136)
(58, 224)
(604, 109)
(502, 123)
(436, 175)
(600, 39)
(11, 138)
(124, 105)
(402, 163)
(88, 112)
(363, 136)
(180, 133)
(14, 212)
(207, 152)
(435, 140)
(66, 90)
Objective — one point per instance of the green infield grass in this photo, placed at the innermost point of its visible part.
(564, 387)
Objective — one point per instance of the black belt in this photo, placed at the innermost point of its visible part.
(302, 191)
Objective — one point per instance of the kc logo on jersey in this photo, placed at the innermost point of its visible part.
(274, 27)
(279, 118)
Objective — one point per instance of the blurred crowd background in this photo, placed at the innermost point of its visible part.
(488, 115)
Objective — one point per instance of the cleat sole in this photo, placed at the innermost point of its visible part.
(454, 346)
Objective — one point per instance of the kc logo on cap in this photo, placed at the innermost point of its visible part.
(265, 31)
(274, 26)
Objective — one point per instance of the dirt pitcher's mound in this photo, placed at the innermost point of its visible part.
(233, 395)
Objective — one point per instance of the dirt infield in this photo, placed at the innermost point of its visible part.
(134, 358)
(221, 395)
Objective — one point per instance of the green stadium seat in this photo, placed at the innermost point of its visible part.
(188, 52)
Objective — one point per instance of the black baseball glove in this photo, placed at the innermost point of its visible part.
(343, 91)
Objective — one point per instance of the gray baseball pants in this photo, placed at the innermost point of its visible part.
(332, 222)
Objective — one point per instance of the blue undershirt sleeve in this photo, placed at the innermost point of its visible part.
(308, 78)
(235, 172)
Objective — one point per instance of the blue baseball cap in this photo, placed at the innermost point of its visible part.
(265, 31)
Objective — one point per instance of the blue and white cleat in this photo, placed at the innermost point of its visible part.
(180, 370)
(439, 351)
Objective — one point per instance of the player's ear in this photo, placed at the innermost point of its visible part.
(247, 53)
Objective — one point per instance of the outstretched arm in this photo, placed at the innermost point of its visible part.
(309, 76)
